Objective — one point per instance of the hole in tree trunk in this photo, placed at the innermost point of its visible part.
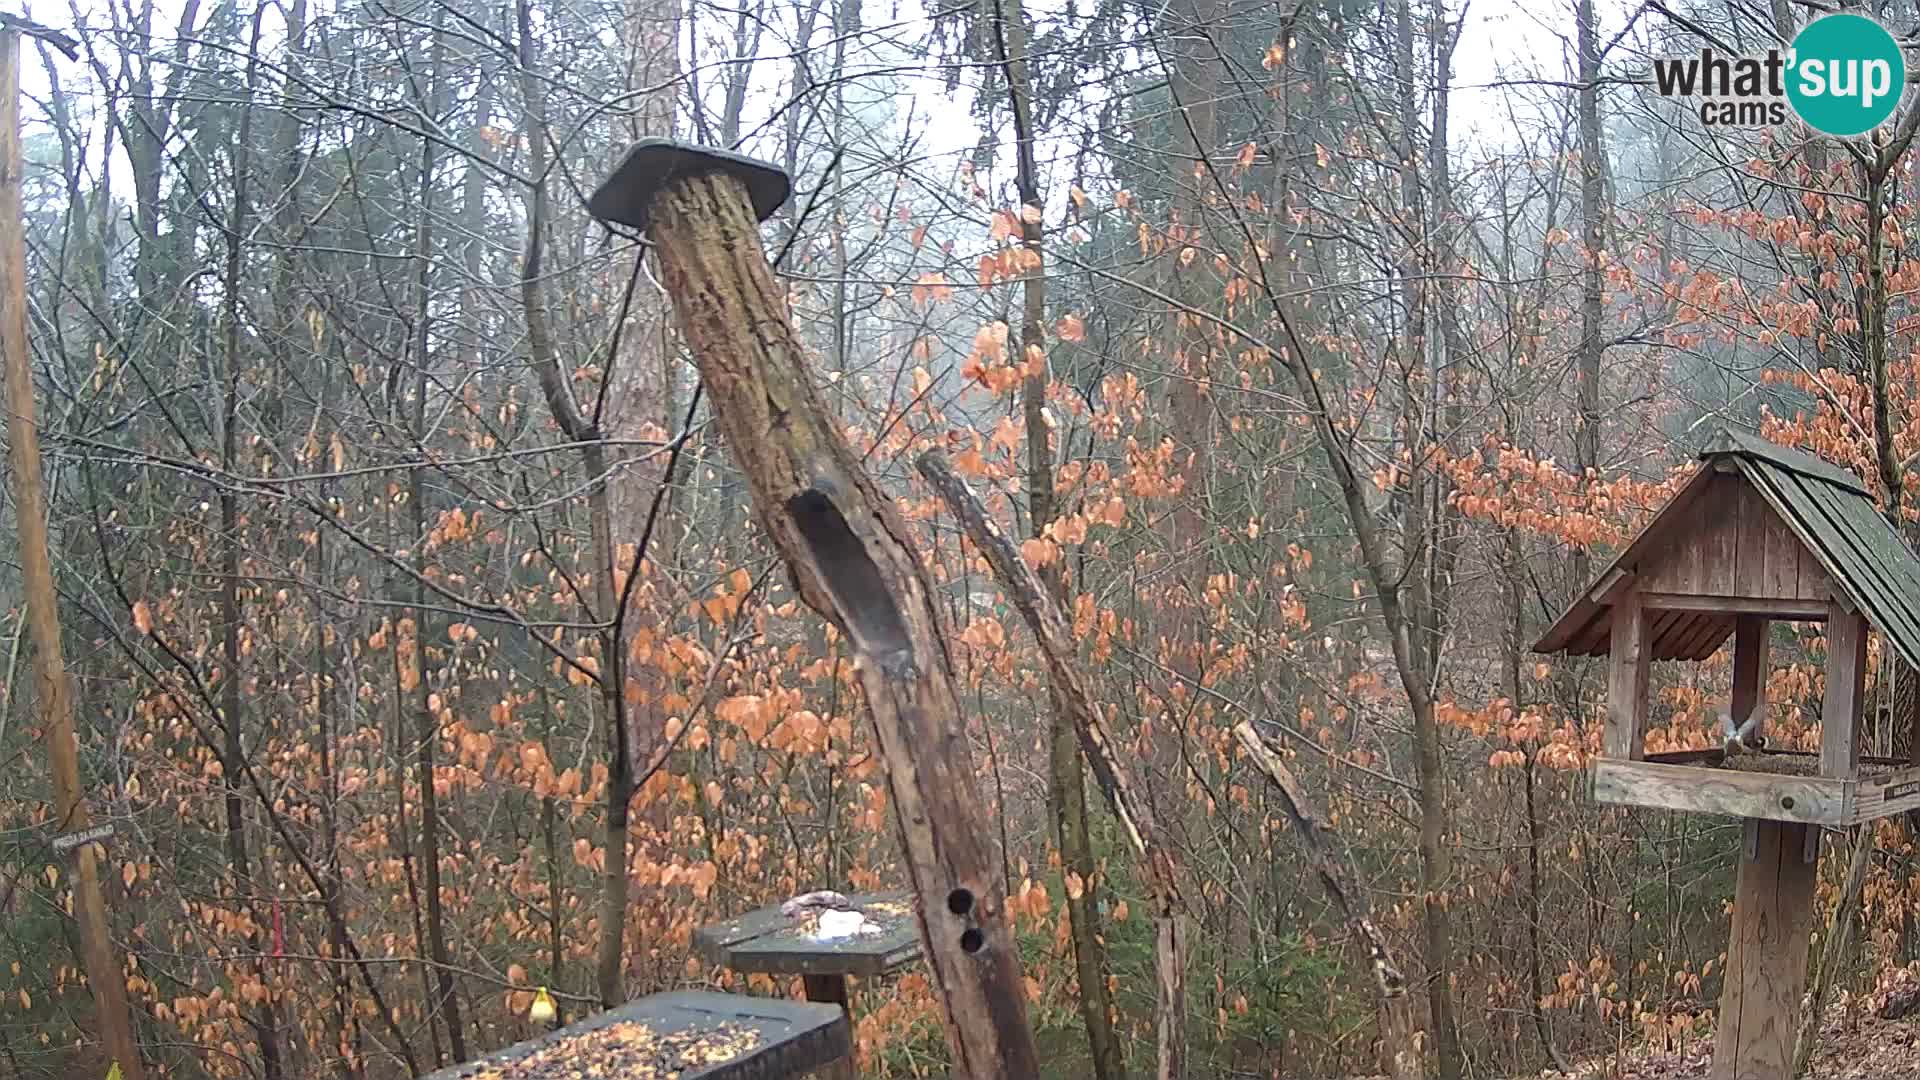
(873, 619)
(972, 941)
(959, 901)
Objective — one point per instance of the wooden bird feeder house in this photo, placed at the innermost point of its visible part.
(1758, 533)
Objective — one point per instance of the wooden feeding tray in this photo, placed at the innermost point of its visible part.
(767, 941)
(684, 1035)
(1773, 785)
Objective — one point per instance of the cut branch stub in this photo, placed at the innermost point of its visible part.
(841, 539)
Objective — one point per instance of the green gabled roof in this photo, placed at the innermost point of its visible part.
(1830, 510)
(1834, 515)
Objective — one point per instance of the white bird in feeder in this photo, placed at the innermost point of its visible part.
(1743, 737)
(825, 914)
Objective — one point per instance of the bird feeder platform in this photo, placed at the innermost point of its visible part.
(1758, 533)
(1774, 785)
(767, 941)
(685, 1035)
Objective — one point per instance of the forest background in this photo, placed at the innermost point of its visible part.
(426, 652)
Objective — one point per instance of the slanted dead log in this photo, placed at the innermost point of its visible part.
(843, 542)
(1157, 857)
(1329, 859)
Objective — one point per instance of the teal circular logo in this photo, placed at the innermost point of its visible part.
(1845, 75)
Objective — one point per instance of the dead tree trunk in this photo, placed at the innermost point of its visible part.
(1157, 858)
(844, 544)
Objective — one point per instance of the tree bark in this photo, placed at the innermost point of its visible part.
(427, 730)
(52, 687)
(610, 680)
(1586, 453)
(1066, 787)
(265, 1021)
(843, 542)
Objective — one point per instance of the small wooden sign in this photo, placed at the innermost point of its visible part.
(1902, 790)
(64, 844)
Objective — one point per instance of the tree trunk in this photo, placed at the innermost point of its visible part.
(1586, 453)
(1066, 788)
(610, 680)
(427, 730)
(842, 542)
(53, 689)
(265, 1022)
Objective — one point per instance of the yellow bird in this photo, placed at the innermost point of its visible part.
(542, 1010)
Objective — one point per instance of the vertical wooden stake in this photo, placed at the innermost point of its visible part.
(1846, 689)
(1627, 669)
(51, 684)
(1749, 668)
(1766, 969)
(832, 990)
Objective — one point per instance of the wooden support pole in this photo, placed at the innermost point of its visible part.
(1846, 691)
(1766, 970)
(1749, 669)
(844, 544)
(1158, 858)
(832, 990)
(52, 685)
(1628, 663)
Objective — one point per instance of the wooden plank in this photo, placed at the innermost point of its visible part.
(1886, 796)
(1882, 547)
(1661, 628)
(1749, 669)
(1709, 633)
(783, 1039)
(1627, 669)
(1782, 493)
(1846, 691)
(1783, 556)
(1766, 970)
(1698, 789)
(1752, 521)
(1720, 546)
(1795, 609)
(1815, 582)
(1611, 584)
(1651, 539)
(1864, 548)
(1592, 638)
(1677, 566)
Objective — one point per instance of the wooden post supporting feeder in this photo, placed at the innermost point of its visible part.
(843, 542)
(1759, 532)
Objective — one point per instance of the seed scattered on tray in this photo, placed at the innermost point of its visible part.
(626, 1050)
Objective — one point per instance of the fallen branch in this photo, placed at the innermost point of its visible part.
(1157, 858)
